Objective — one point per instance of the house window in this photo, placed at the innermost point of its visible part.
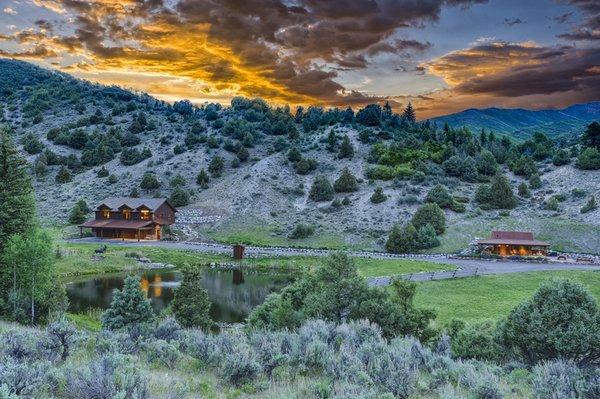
(106, 214)
(145, 215)
(126, 214)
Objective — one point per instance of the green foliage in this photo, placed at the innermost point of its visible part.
(32, 145)
(79, 212)
(401, 239)
(129, 307)
(294, 155)
(439, 195)
(409, 113)
(191, 304)
(589, 159)
(552, 204)
(591, 136)
(523, 190)
(591, 205)
(305, 166)
(63, 175)
(321, 190)
(302, 231)
(431, 214)
(178, 181)
(561, 320)
(383, 172)
(132, 156)
(498, 195)
(335, 291)
(216, 166)
(149, 182)
(561, 157)
(17, 203)
(346, 183)
(202, 178)
(378, 196)
(477, 341)
(486, 163)
(112, 179)
(524, 166)
(103, 172)
(346, 148)
(179, 197)
(535, 181)
(426, 237)
(28, 279)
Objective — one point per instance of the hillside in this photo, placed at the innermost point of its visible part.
(521, 123)
(103, 140)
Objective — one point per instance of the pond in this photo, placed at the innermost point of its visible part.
(233, 293)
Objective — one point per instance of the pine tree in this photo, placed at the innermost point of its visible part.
(378, 196)
(502, 196)
(331, 141)
(346, 148)
(63, 175)
(432, 214)
(401, 239)
(17, 202)
(216, 165)
(523, 190)
(191, 304)
(590, 205)
(321, 189)
(79, 212)
(103, 172)
(346, 182)
(409, 113)
(179, 197)
(128, 307)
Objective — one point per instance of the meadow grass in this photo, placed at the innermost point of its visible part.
(475, 299)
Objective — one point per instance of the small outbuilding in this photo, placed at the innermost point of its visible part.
(512, 243)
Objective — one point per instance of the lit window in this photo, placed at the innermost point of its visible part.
(126, 214)
(106, 214)
(145, 215)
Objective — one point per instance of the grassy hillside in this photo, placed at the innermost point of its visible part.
(87, 141)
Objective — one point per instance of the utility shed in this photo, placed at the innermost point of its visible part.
(510, 243)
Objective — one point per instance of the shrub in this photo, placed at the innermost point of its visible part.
(178, 181)
(240, 366)
(191, 304)
(216, 165)
(430, 214)
(590, 205)
(378, 196)
(61, 337)
(162, 352)
(294, 155)
(32, 145)
(426, 237)
(523, 190)
(346, 182)
(103, 172)
(305, 166)
(589, 159)
(401, 239)
(149, 182)
(112, 376)
(559, 321)
(129, 307)
(476, 341)
(555, 379)
(302, 231)
(79, 212)
(552, 204)
(486, 163)
(179, 197)
(321, 190)
(535, 182)
(346, 148)
(112, 179)
(63, 175)
(202, 178)
(562, 157)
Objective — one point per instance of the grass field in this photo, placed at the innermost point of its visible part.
(476, 299)
(78, 259)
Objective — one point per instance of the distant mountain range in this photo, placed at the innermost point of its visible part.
(522, 123)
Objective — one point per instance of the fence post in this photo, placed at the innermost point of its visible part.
(432, 274)
(476, 270)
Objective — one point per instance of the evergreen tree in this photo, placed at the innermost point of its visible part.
(502, 196)
(179, 197)
(535, 182)
(149, 182)
(321, 189)
(346, 182)
(409, 113)
(378, 196)
(216, 165)
(17, 202)
(134, 193)
(591, 136)
(103, 172)
(79, 212)
(430, 214)
(294, 155)
(129, 307)
(589, 159)
(243, 154)
(426, 237)
(191, 304)
(331, 141)
(523, 190)
(401, 239)
(63, 175)
(346, 148)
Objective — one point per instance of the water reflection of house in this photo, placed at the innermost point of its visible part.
(509, 243)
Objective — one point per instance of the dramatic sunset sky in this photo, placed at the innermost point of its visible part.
(443, 55)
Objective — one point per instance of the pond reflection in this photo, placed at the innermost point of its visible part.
(233, 293)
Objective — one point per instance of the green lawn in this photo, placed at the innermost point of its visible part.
(78, 259)
(476, 299)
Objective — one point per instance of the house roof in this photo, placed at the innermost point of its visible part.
(512, 238)
(117, 224)
(134, 203)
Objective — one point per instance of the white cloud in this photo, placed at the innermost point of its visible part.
(8, 10)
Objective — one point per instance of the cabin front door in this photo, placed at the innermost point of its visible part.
(158, 232)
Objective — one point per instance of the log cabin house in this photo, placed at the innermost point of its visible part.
(512, 243)
(131, 218)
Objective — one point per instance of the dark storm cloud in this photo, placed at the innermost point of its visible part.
(561, 19)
